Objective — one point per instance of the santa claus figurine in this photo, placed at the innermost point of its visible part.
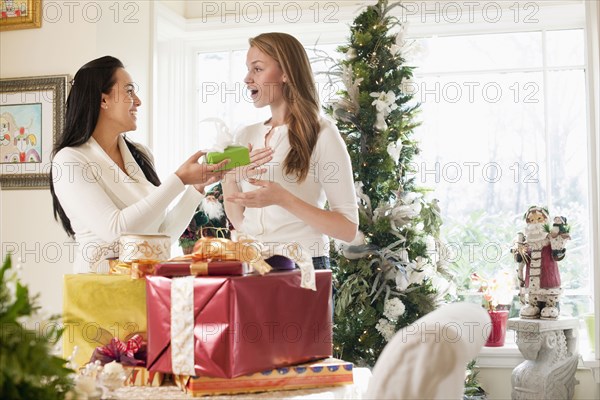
(542, 248)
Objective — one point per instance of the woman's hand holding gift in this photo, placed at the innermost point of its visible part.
(258, 158)
(191, 172)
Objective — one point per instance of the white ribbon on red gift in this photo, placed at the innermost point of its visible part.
(182, 326)
(304, 261)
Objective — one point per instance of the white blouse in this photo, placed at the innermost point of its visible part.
(329, 180)
(103, 202)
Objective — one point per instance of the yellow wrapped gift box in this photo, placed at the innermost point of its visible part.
(97, 308)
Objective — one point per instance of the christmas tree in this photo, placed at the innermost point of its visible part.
(391, 274)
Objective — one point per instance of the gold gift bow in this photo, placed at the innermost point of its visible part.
(118, 267)
(137, 269)
(210, 248)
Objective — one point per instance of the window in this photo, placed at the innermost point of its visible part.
(221, 93)
(504, 127)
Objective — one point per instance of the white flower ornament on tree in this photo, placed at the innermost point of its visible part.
(393, 308)
(386, 328)
(384, 103)
(394, 150)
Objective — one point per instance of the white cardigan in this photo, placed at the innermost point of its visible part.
(329, 180)
(102, 201)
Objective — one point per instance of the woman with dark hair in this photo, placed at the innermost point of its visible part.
(103, 184)
(310, 166)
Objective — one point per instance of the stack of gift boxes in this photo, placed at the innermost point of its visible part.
(213, 334)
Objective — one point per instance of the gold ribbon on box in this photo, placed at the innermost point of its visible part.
(209, 249)
(137, 269)
(118, 267)
(221, 249)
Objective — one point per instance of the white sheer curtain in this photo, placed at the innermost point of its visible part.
(174, 137)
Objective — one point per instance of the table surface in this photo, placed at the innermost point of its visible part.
(355, 391)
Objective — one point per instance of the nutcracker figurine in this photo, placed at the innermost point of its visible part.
(537, 250)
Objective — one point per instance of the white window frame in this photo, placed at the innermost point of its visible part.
(180, 39)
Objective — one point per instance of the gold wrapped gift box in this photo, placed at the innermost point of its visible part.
(99, 307)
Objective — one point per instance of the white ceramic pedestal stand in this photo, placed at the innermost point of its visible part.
(551, 357)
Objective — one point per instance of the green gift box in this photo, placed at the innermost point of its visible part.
(238, 156)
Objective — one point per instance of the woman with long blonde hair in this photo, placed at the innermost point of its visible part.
(310, 164)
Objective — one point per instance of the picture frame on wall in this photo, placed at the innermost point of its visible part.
(20, 14)
(32, 114)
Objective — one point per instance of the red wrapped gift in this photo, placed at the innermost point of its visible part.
(240, 324)
(202, 268)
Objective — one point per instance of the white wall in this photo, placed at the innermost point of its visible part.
(72, 34)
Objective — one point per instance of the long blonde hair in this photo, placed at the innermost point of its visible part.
(301, 97)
